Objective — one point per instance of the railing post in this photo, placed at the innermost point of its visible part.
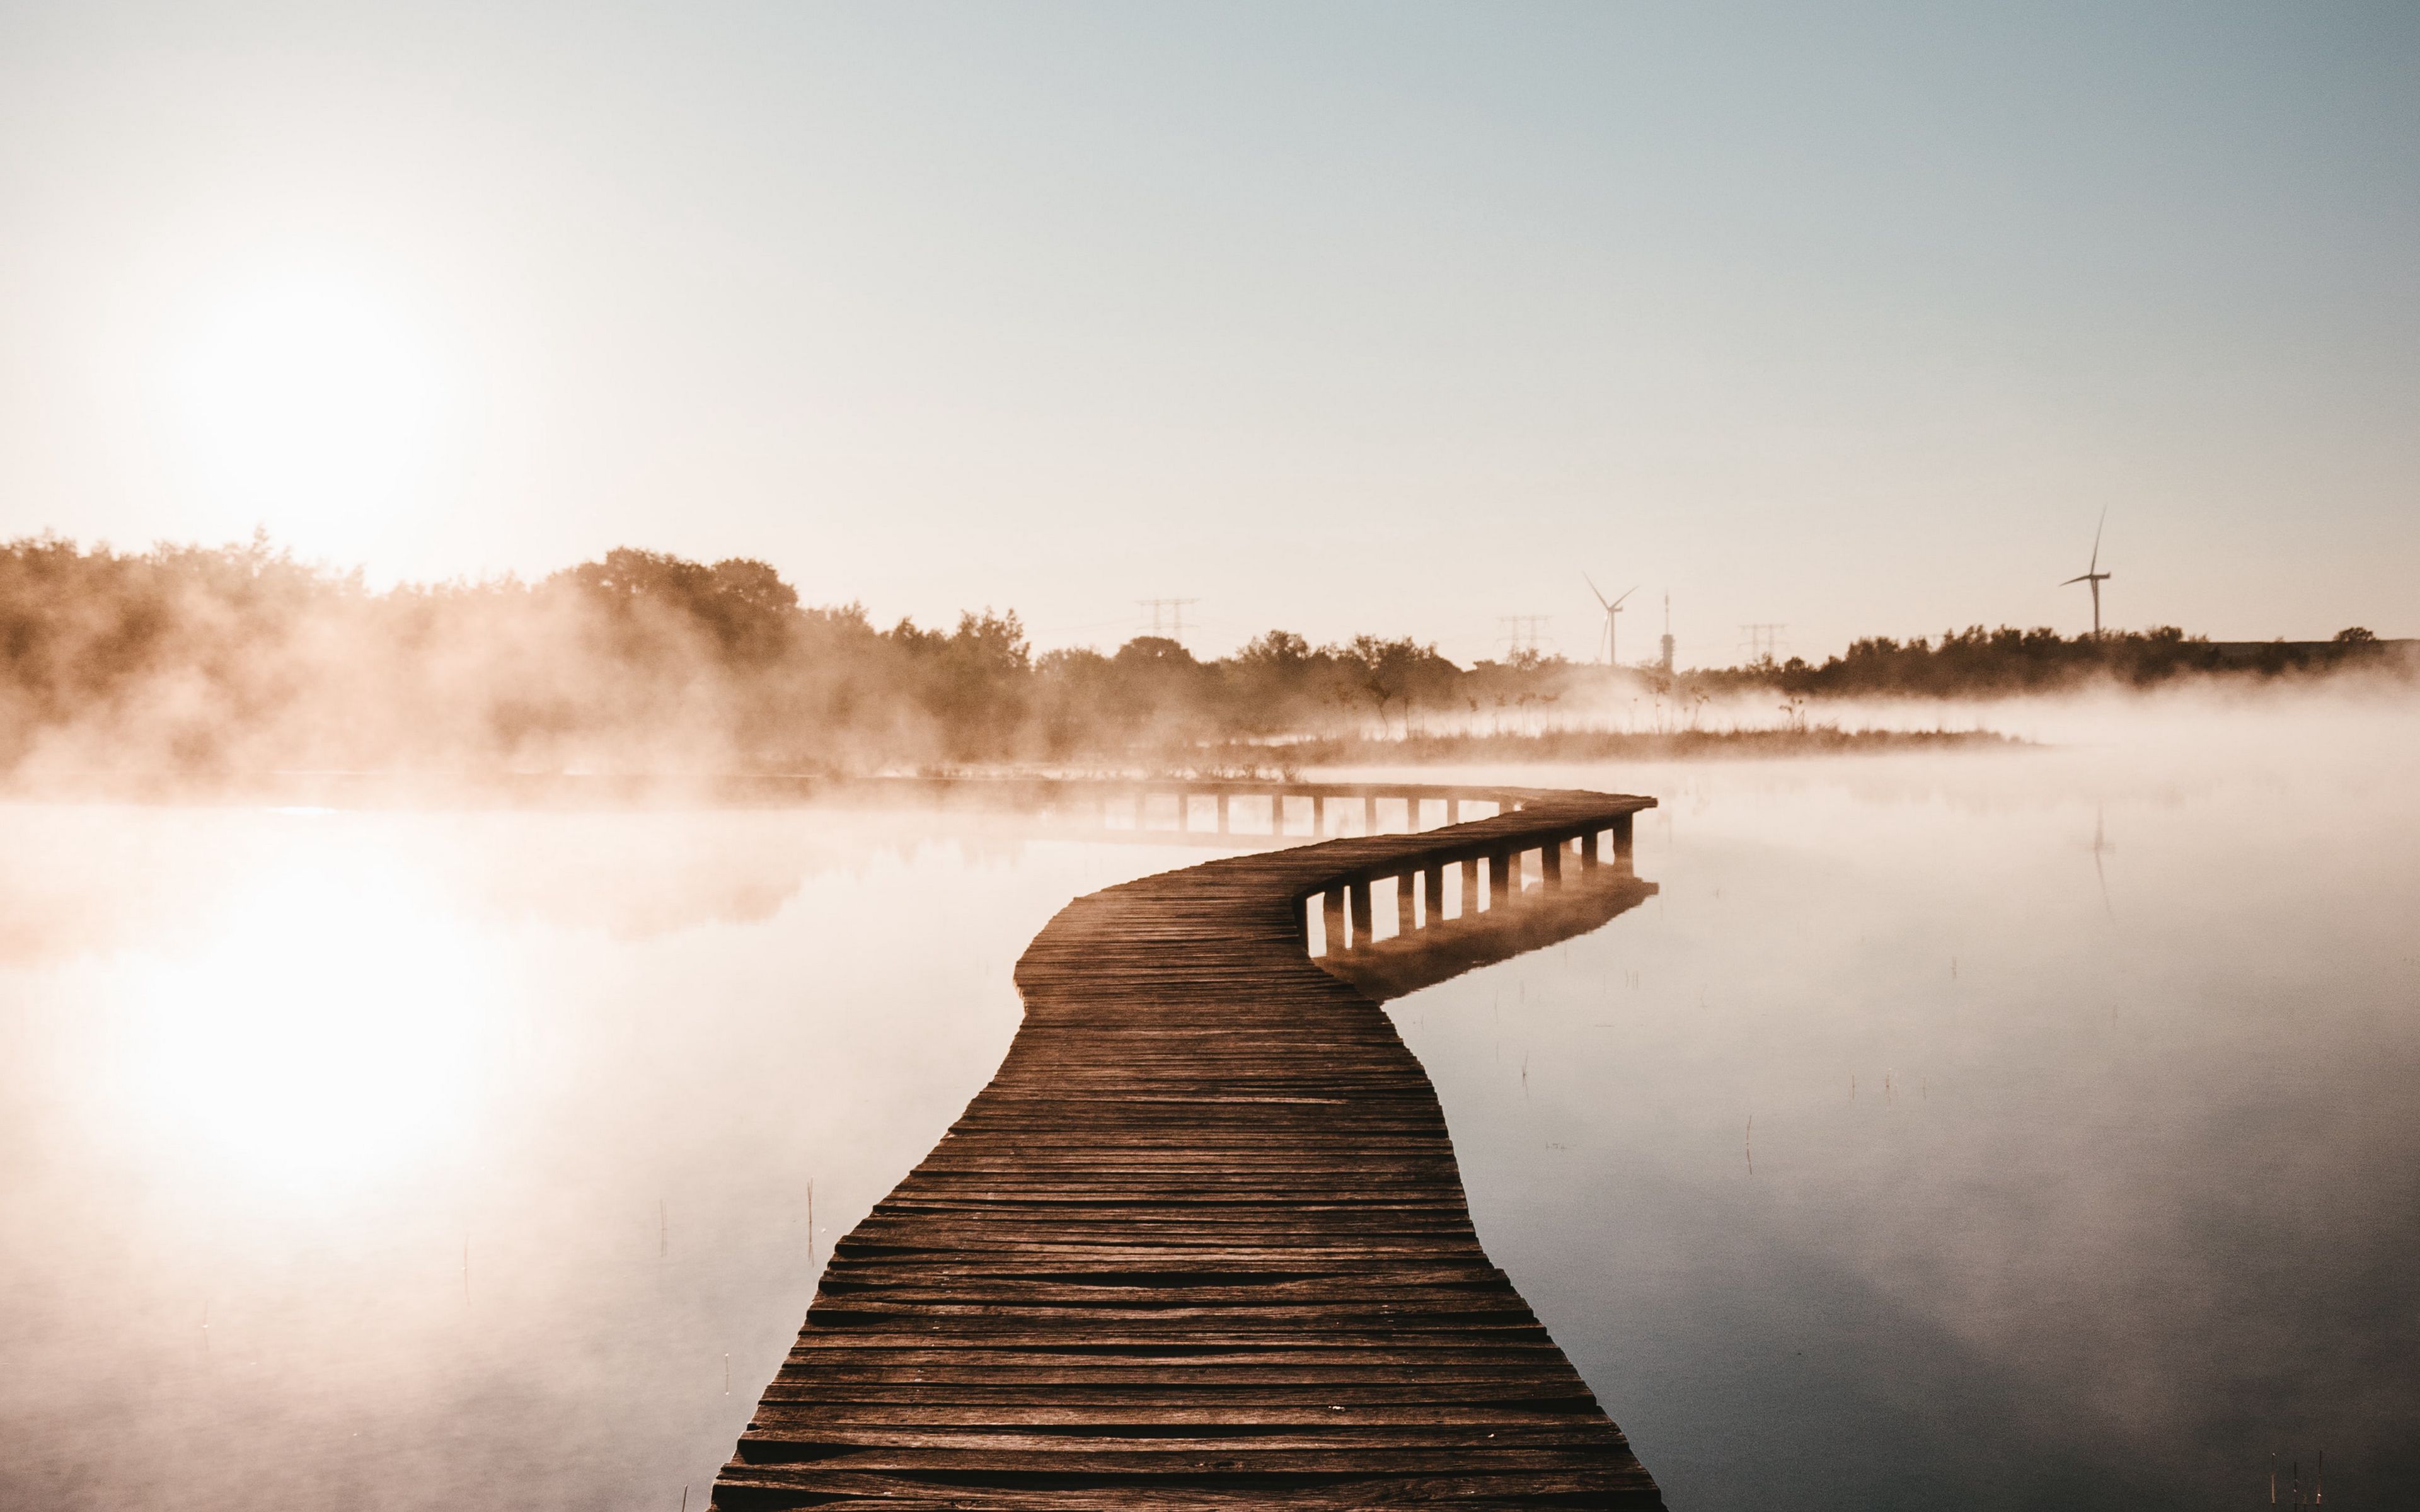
(1331, 919)
(1435, 877)
(1622, 841)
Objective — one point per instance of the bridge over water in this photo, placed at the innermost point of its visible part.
(1202, 1242)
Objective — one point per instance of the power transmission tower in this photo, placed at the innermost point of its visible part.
(1763, 640)
(1521, 631)
(1174, 608)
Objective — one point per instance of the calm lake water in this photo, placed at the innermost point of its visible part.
(422, 1160)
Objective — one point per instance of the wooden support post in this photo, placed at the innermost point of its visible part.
(1588, 851)
(1276, 813)
(1411, 814)
(1404, 920)
(1470, 887)
(1365, 923)
(1550, 861)
(1622, 841)
(1318, 816)
(1500, 880)
(1331, 918)
(1222, 810)
(1453, 810)
(1435, 877)
(1183, 810)
(1369, 813)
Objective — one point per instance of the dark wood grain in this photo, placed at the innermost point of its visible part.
(1201, 1244)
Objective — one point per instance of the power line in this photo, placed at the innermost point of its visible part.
(1521, 631)
(1174, 608)
(1765, 640)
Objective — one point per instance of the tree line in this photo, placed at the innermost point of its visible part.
(1978, 662)
(190, 659)
(198, 660)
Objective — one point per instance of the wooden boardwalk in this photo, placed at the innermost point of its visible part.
(1201, 1244)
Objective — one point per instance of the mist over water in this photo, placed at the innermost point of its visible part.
(492, 497)
(437, 1160)
(418, 1159)
(2085, 1166)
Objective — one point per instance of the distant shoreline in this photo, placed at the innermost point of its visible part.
(1289, 761)
(1611, 745)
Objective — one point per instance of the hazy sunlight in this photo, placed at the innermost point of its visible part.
(332, 1028)
(308, 398)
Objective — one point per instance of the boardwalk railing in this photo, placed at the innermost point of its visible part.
(1250, 808)
(1247, 808)
(1347, 913)
(1431, 942)
(1202, 1242)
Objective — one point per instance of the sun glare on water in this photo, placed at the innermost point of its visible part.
(337, 1025)
(309, 402)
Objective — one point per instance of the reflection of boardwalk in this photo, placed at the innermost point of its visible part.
(1390, 968)
(1202, 1242)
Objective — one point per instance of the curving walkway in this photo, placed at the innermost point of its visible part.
(1201, 1242)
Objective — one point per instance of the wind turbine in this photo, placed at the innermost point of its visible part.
(2093, 574)
(1612, 610)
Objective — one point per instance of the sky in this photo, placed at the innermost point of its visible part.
(1388, 317)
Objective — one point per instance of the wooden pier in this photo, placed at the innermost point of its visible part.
(1202, 1242)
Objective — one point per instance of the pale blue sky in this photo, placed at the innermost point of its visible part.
(1336, 316)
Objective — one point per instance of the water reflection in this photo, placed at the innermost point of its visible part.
(1546, 912)
(2052, 1201)
(399, 1161)
(335, 1021)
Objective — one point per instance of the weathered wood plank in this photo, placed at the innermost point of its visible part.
(1202, 1242)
